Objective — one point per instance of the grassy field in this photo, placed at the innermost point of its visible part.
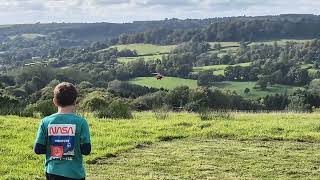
(166, 82)
(215, 159)
(149, 49)
(146, 58)
(219, 69)
(239, 87)
(29, 36)
(274, 145)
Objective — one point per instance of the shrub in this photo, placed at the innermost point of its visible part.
(116, 110)
(9, 105)
(42, 108)
(96, 101)
(193, 106)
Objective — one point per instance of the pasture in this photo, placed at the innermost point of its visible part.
(239, 87)
(145, 58)
(219, 69)
(166, 82)
(274, 145)
(146, 49)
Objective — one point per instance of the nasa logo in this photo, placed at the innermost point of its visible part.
(61, 130)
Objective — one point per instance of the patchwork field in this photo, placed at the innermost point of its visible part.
(151, 52)
(166, 82)
(238, 87)
(275, 145)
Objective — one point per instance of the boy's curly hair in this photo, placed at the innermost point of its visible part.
(65, 94)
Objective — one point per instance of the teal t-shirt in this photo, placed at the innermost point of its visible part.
(62, 134)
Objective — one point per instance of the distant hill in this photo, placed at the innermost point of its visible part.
(160, 32)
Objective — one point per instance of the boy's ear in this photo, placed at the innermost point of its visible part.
(55, 102)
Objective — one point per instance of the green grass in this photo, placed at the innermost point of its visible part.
(166, 82)
(143, 49)
(214, 159)
(219, 69)
(146, 58)
(259, 145)
(239, 87)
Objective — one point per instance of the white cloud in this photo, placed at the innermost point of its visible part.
(31, 11)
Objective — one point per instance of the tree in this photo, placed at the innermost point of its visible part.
(205, 78)
(178, 97)
(298, 102)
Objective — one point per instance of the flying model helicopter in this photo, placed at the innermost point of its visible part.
(158, 76)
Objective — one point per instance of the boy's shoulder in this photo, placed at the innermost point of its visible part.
(57, 115)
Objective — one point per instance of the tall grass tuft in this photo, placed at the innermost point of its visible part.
(208, 114)
(161, 113)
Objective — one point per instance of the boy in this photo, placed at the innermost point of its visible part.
(64, 137)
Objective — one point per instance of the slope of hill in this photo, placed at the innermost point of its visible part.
(247, 137)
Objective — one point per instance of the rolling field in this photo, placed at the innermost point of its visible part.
(219, 69)
(146, 58)
(147, 49)
(239, 87)
(274, 145)
(166, 82)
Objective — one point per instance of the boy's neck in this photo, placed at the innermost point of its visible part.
(66, 110)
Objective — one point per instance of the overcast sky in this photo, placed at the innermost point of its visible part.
(32, 11)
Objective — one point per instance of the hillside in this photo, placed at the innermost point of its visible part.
(204, 64)
(288, 142)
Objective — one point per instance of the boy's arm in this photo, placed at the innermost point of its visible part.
(85, 142)
(40, 149)
(85, 148)
(40, 144)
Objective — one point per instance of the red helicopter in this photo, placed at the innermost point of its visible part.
(158, 76)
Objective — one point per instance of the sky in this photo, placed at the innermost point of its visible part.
(119, 11)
